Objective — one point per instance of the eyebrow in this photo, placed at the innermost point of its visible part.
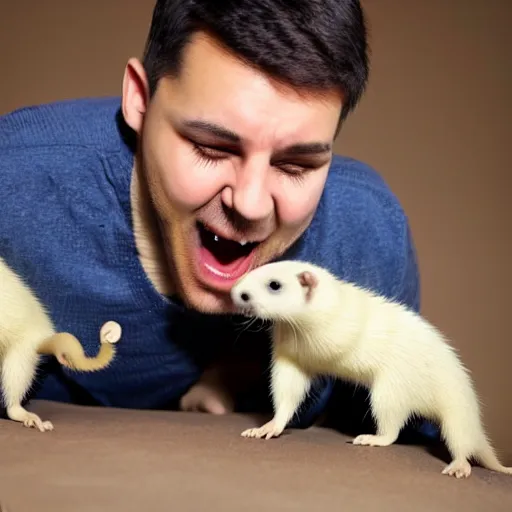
(213, 129)
(207, 128)
(308, 148)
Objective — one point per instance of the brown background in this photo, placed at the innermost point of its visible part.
(434, 122)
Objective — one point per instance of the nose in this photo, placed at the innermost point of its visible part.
(245, 297)
(250, 195)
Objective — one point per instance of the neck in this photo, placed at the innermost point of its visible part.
(148, 239)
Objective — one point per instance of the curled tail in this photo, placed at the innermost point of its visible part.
(69, 352)
(488, 459)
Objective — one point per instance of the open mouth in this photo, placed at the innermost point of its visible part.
(223, 260)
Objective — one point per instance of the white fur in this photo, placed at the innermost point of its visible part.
(24, 326)
(351, 333)
(26, 332)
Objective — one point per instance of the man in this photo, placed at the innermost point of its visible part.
(218, 158)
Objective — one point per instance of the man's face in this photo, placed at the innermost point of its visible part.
(235, 165)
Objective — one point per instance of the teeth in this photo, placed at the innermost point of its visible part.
(216, 238)
(217, 272)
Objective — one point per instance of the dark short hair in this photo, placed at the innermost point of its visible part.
(309, 44)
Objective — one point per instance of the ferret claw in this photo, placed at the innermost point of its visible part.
(266, 431)
(34, 421)
(372, 440)
(458, 469)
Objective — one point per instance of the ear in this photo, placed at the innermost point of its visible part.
(135, 94)
(309, 281)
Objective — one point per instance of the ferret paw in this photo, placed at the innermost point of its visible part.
(267, 431)
(34, 421)
(29, 419)
(372, 440)
(458, 469)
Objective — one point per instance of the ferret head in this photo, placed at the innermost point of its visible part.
(276, 291)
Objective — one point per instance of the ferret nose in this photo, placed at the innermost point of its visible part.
(245, 297)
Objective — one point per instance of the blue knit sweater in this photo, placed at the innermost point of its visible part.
(65, 226)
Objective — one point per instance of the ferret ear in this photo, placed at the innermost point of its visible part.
(309, 281)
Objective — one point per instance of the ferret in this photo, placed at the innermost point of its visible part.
(325, 325)
(26, 332)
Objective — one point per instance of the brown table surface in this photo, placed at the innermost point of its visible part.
(100, 459)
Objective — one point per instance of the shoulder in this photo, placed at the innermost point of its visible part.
(358, 202)
(69, 150)
(64, 185)
(361, 233)
(55, 134)
(86, 122)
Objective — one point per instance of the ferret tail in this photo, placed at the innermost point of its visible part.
(486, 456)
(69, 352)
(462, 425)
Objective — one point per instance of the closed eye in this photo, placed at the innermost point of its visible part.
(214, 154)
(299, 169)
(211, 153)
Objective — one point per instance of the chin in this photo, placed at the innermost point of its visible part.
(206, 301)
(209, 262)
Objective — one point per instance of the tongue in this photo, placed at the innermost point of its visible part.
(224, 255)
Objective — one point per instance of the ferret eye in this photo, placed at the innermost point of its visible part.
(274, 286)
